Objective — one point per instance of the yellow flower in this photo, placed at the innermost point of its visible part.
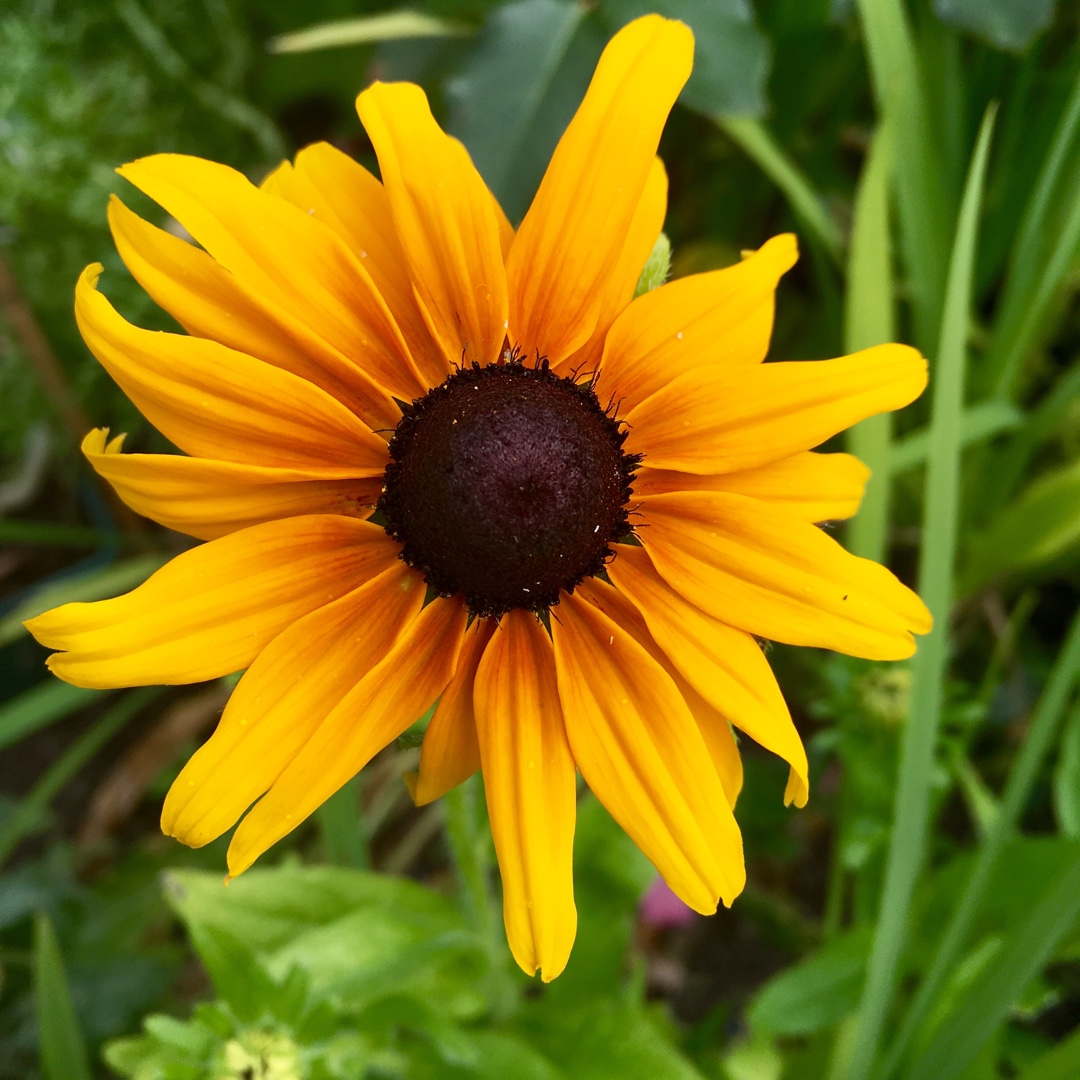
(671, 525)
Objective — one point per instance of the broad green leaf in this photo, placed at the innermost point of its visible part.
(657, 267)
(816, 992)
(63, 1051)
(38, 708)
(1030, 945)
(1043, 524)
(1067, 780)
(517, 91)
(98, 584)
(731, 55)
(367, 29)
(1008, 24)
(1061, 1063)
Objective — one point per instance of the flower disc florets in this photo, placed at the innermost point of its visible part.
(506, 485)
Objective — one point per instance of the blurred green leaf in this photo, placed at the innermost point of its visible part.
(657, 267)
(1008, 24)
(63, 1052)
(97, 584)
(1067, 780)
(38, 708)
(1043, 524)
(978, 422)
(731, 55)
(815, 993)
(1061, 1063)
(365, 29)
(517, 91)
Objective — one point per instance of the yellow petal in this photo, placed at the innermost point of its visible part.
(639, 749)
(213, 402)
(400, 688)
(285, 256)
(716, 420)
(293, 685)
(714, 729)
(445, 220)
(765, 571)
(813, 487)
(725, 665)
(450, 753)
(336, 189)
(209, 302)
(211, 610)
(209, 499)
(574, 235)
(719, 319)
(530, 782)
(618, 289)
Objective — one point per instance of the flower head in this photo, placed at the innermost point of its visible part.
(436, 459)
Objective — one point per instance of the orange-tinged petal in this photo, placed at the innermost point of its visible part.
(763, 570)
(574, 236)
(211, 610)
(293, 685)
(716, 420)
(530, 782)
(210, 302)
(214, 402)
(446, 222)
(714, 729)
(280, 253)
(335, 189)
(209, 499)
(813, 487)
(450, 753)
(618, 289)
(725, 665)
(401, 687)
(723, 318)
(637, 745)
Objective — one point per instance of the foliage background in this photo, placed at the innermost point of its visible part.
(919, 918)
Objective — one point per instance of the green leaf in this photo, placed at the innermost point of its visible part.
(657, 267)
(38, 708)
(1042, 525)
(1027, 949)
(517, 91)
(63, 1051)
(97, 584)
(366, 29)
(1067, 780)
(815, 993)
(978, 422)
(1061, 1063)
(1008, 24)
(731, 55)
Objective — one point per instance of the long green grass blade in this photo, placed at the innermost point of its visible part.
(40, 707)
(868, 320)
(921, 200)
(367, 29)
(60, 1042)
(979, 422)
(1045, 723)
(970, 1024)
(33, 806)
(941, 518)
(759, 145)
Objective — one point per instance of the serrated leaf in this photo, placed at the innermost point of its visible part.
(731, 55)
(1008, 24)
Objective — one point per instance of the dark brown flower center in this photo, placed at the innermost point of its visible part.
(507, 484)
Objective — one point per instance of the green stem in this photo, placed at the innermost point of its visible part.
(936, 565)
(1044, 726)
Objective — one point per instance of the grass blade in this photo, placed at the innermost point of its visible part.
(963, 1033)
(366, 30)
(941, 517)
(868, 320)
(38, 708)
(759, 145)
(344, 843)
(1044, 725)
(63, 1051)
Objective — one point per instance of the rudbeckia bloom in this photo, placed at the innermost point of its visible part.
(438, 460)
